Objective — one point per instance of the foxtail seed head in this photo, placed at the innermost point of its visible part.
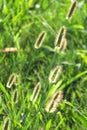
(55, 74)
(71, 10)
(10, 49)
(61, 34)
(15, 96)
(12, 80)
(40, 40)
(7, 124)
(40, 128)
(36, 92)
(63, 45)
(54, 102)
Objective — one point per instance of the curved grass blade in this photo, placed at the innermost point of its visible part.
(73, 80)
(78, 115)
(53, 89)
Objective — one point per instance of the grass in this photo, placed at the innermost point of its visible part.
(20, 24)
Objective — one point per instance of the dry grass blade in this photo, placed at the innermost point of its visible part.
(54, 102)
(55, 74)
(7, 124)
(11, 49)
(36, 92)
(40, 40)
(71, 10)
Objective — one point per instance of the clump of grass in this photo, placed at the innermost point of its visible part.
(20, 22)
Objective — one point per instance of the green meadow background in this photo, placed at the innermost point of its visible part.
(20, 24)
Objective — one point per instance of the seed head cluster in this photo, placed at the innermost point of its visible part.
(60, 44)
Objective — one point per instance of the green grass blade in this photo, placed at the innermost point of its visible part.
(73, 80)
(2, 88)
(53, 89)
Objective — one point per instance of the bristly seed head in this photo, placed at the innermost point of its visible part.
(61, 34)
(71, 10)
(54, 101)
(40, 39)
(7, 124)
(55, 74)
(40, 128)
(10, 49)
(12, 80)
(15, 96)
(63, 45)
(36, 92)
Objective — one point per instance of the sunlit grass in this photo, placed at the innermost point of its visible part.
(31, 28)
